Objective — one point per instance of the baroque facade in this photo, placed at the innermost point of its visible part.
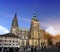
(35, 36)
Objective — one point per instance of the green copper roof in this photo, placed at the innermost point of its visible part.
(35, 17)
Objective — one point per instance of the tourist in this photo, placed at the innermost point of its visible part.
(35, 49)
(42, 48)
(32, 49)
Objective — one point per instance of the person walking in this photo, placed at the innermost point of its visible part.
(32, 49)
(35, 49)
(42, 48)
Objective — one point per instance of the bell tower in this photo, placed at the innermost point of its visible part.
(34, 30)
(14, 27)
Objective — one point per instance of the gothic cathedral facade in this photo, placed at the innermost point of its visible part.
(34, 36)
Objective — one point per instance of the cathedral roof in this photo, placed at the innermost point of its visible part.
(23, 29)
(35, 17)
(15, 21)
(9, 35)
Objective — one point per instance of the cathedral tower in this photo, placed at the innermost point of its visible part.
(34, 30)
(14, 27)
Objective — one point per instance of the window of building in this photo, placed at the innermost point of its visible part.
(4, 44)
(9, 40)
(13, 40)
(9, 44)
(13, 44)
(0, 40)
(5, 40)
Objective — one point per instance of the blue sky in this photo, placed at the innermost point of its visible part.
(47, 11)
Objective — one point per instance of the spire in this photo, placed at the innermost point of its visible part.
(15, 15)
(34, 15)
(15, 21)
(14, 26)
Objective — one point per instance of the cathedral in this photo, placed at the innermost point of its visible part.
(35, 36)
(22, 37)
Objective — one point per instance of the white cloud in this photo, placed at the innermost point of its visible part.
(52, 30)
(3, 30)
